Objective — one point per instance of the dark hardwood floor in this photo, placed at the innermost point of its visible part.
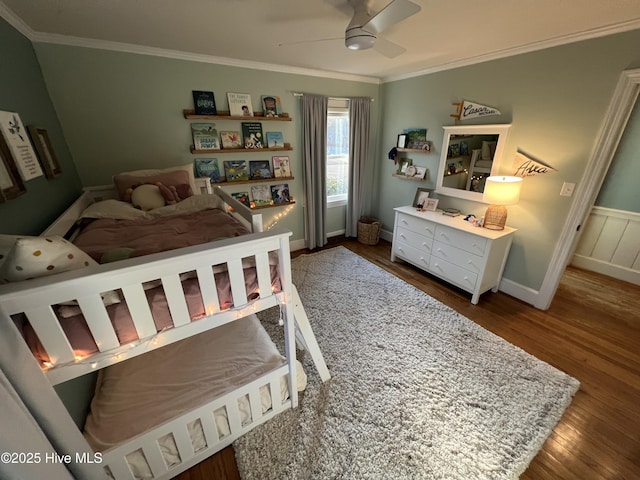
(591, 331)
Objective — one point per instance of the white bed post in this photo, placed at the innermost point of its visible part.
(288, 317)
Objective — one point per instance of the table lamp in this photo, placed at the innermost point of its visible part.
(500, 191)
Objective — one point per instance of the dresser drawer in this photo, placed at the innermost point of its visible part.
(414, 239)
(418, 257)
(452, 273)
(459, 257)
(463, 240)
(423, 227)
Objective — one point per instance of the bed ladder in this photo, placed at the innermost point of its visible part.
(305, 337)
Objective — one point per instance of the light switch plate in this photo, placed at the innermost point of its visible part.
(567, 189)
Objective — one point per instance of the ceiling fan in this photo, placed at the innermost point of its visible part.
(363, 30)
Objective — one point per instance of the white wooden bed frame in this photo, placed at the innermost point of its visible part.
(36, 298)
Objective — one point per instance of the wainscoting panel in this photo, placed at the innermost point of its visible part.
(610, 244)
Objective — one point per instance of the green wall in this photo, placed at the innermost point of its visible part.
(23, 90)
(555, 99)
(123, 111)
(620, 189)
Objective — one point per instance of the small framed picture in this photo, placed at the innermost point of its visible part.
(44, 150)
(11, 184)
(430, 204)
(422, 194)
(421, 173)
(403, 164)
(402, 141)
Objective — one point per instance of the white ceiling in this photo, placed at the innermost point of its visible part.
(444, 34)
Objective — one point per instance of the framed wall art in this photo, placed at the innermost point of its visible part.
(18, 143)
(11, 184)
(44, 150)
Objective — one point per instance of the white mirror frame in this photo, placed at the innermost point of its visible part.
(501, 130)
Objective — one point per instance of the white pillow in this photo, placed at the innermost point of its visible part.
(147, 197)
(6, 244)
(33, 257)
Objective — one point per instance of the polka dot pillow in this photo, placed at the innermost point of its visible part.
(33, 257)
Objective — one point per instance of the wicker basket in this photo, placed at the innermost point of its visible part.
(369, 230)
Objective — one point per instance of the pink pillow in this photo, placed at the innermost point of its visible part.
(177, 178)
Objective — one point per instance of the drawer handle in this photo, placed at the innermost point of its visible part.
(424, 244)
(402, 235)
(404, 221)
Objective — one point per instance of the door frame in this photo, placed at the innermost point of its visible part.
(620, 108)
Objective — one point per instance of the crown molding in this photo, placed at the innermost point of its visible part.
(527, 48)
(194, 57)
(15, 21)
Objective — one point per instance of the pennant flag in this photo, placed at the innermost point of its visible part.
(524, 165)
(468, 110)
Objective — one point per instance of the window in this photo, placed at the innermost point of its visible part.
(337, 152)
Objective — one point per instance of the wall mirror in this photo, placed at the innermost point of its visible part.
(469, 154)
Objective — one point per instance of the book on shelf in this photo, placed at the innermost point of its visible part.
(261, 195)
(240, 104)
(242, 197)
(230, 140)
(204, 103)
(259, 169)
(275, 140)
(281, 166)
(280, 193)
(271, 106)
(208, 168)
(205, 136)
(252, 135)
(236, 170)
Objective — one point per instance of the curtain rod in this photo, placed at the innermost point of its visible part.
(299, 94)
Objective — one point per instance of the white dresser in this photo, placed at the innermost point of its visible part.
(469, 257)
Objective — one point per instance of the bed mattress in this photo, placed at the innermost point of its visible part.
(134, 396)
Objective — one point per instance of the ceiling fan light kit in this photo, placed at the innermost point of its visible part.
(358, 39)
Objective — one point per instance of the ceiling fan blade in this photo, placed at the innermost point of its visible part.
(394, 12)
(387, 48)
(301, 42)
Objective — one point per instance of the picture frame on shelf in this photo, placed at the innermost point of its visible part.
(230, 140)
(259, 169)
(11, 184)
(44, 150)
(204, 102)
(402, 141)
(240, 104)
(261, 195)
(421, 173)
(403, 164)
(415, 137)
(281, 166)
(236, 170)
(280, 193)
(422, 194)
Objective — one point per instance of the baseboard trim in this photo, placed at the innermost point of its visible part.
(606, 268)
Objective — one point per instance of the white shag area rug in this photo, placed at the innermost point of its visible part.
(417, 391)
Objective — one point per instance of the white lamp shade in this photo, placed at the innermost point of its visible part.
(502, 190)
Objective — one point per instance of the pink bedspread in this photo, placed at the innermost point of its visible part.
(160, 234)
(145, 237)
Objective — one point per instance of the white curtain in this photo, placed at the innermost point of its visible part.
(359, 130)
(34, 423)
(314, 109)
